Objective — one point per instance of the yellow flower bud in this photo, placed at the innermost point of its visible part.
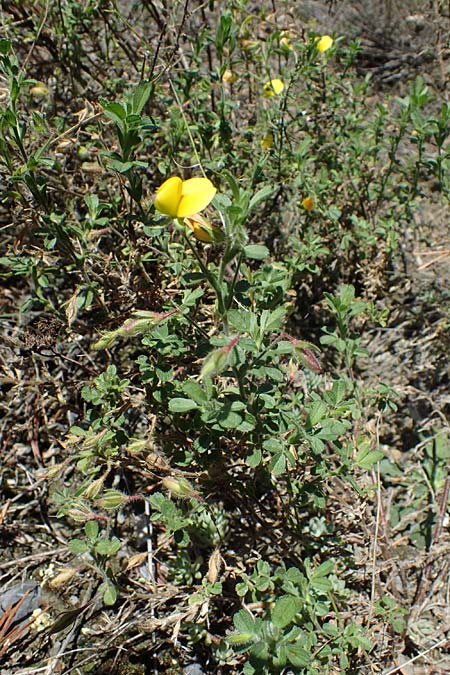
(203, 230)
(285, 43)
(39, 90)
(273, 88)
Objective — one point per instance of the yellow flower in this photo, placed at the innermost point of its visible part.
(324, 43)
(229, 76)
(182, 198)
(273, 88)
(267, 142)
(203, 230)
(308, 203)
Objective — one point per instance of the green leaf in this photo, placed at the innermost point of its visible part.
(107, 547)
(228, 419)
(366, 460)
(317, 412)
(285, 610)
(182, 405)
(260, 196)
(324, 570)
(77, 546)
(256, 251)
(271, 321)
(298, 656)
(115, 111)
(278, 464)
(110, 595)
(91, 529)
(5, 47)
(195, 391)
(244, 622)
(254, 459)
(141, 96)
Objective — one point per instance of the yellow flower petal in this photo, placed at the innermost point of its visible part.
(168, 196)
(308, 203)
(273, 88)
(229, 76)
(324, 43)
(196, 194)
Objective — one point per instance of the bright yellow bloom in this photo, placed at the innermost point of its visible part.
(308, 203)
(182, 198)
(273, 88)
(203, 230)
(324, 43)
(267, 142)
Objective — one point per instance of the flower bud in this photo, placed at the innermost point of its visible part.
(214, 363)
(285, 43)
(203, 230)
(214, 565)
(179, 486)
(217, 360)
(79, 513)
(39, 90)
(140, 322)
(111, 500)
(63, 577)
(94, 488)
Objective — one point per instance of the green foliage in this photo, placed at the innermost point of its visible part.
(206, 399)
